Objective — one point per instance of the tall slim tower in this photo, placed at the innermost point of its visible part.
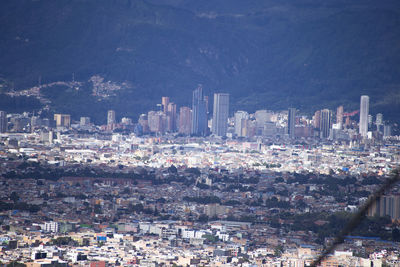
(379, 119)
(325, 123)
(171, 117)
(110, 119)
(199, 113)
(317, 119)
(291, 122)
(364, 110)
(220, 114)
(379, 122)
(3, 122)
(339, 115)
(185, 118)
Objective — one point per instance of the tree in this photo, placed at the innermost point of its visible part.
(194, 171)
(97, 209)
(396, 235)
(278, 251)
(14, 197)
(172, 169)
(203, 218)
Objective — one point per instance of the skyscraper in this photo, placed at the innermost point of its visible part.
(199, 113)
(157, 121)
(62, 120)
(165, 103)
(262, 117)
(317, 119)
(291, 122)
(3, 122)
(171, 117)
(220, 114)
(240, 121)
(379, 119)
(185, 118)
(387, 130)
(110, 119)
(364, 110)
(339, 115)
(325, 123)
(379, 122)
(144, 123)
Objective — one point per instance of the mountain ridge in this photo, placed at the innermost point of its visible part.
(266, 55)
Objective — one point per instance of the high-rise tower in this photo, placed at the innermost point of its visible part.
(62, 120)
(339, 115)
(325, 123)
(185, 119)
(171, 117)
(165, 103)
(379, 119)
(291, 122)
(317, 119)
(199, 113)
(3, 122)
(364, 110)
(110, 119)
(240, 122)
(220, 114)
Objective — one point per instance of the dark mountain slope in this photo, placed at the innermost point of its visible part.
(266, 54)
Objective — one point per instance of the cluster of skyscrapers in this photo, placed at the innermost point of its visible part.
(192, 121)
(197, 121)
(322, 125)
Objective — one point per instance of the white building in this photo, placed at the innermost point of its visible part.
(51, 227)
(364, 110)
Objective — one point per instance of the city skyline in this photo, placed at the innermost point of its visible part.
(171, 133)
(243, 124)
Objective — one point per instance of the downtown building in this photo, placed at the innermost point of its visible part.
(241, 118)
(364, 111)
(62, 120)
(111, 120)
(220, 114)
(171, 117)
(199, 113)
(325, 123)
(3, 122)
(157, 121)
(291, 122)
(185, 120)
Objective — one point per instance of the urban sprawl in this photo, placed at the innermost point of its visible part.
(190, 188)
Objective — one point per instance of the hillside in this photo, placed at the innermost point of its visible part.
(266, 54)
